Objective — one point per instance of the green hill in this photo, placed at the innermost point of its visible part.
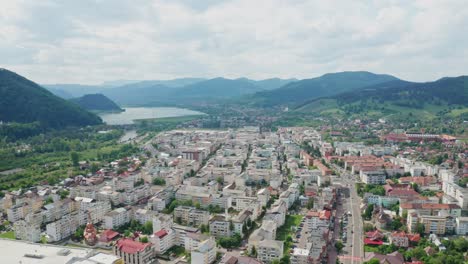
(326, 85)
(23, 101)
(96, 102)
(397, 99)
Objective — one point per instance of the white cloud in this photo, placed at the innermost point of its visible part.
(93, 41)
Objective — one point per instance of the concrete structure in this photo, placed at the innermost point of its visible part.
(205, 253)
(133, 252)
(116, 218)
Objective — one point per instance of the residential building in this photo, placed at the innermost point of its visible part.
(116, 218)
(133, 252)
(269, 250)
(163, 240)
(462, 226)
(220, 226)
(162, 221)
(26, 231)
(191, 216)
(205, 253)
(373, 177)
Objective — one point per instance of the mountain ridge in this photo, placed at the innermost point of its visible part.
(23, 101)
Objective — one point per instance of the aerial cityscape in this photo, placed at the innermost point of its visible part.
(233, 132)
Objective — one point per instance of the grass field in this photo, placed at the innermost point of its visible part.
(285, 231)
(8, 235)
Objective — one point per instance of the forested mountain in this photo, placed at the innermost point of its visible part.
(217, 88)
(76, 90)
(447, 96)
(272, 83)
(24, 101)
(138, 94)
(96, 102)
(325, 85)
(188, 90)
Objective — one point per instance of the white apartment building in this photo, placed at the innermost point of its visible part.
(191, 216)
(162, 221)
(193, 240)
(205, 253)
(269, 250)
(461, 226)
(116, 218)
(220, 227)
(143, 216)
(26, 231)
(300, 256)
(163, 240)
(62, 228)
(373, 177)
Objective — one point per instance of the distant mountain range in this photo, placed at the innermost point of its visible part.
(177, 91)
(326, 85)
(96, 102)
(24, 101)
(344, 93)
(445, 97)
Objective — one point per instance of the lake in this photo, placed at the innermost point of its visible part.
(134, 113)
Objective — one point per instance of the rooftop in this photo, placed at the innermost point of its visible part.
(25, 253)
(130, 246)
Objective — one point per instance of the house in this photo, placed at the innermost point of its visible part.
(108, 235)
(230, 259)
(133, 252)
(392, 258)
(399, 239)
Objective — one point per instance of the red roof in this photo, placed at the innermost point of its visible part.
(373, 235)
(325, 214)
(368, 241)
(108, 235)
(130, 246)
(161, 233)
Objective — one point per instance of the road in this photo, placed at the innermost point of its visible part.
(353, 252)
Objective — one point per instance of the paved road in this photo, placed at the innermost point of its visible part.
(353, 251)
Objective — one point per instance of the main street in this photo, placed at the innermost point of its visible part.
(353, 250)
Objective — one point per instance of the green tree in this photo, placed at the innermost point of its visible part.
(420, 228)
(310, 203)
(373, 261)
(253, 252)
(144, 239)
(148, 228)
(75, 158)
(339, 246)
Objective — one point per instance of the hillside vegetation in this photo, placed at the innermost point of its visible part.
(326, 85)
(23, 101)
(96, 102)
(398, 99)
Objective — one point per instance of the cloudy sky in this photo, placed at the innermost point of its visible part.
(91, 41)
